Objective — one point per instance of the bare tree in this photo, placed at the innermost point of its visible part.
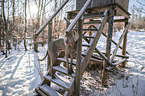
(25, 25)
(5, 26)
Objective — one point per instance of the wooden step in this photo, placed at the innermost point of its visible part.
(88, 36)
(58, 82)
(92, 22)
(95, 60)
(62, 70)
(86, 45)
(64, 60)
(88, 29)
(39, 92)
(93, 56)
(119, 62)
(93, 15)
(48, 90)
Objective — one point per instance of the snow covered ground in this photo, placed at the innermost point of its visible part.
(19, 74)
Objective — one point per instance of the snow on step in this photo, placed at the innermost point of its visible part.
(57, 81)
(64, 60)
(63, 70)
(39, 92)
(47, 90)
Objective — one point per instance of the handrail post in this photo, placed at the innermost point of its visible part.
(49, 41)
(79, 53)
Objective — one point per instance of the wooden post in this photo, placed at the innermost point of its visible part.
(124, 44)
(79, 53)
(108, 43)
(49, 41)
(68, 17)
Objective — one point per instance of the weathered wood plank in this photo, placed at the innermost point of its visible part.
(124, 45)
(88, 29)
(119, 62)
(88, 36)
(49, 41)
(71, 91)
(93, 56)
(92, 15)
(79, 53)
(90, 22)
(119, 42)
(64, 60)
(58, 82)
(108, 44)
(50, 19)
(102, 55)
(114, 42)
(39, 92)
(122, 12)
(48, 90)
(78, 16)
(123, 4)
(95, 60)
(62, 70)
(93, 42)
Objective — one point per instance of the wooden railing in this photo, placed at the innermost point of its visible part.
(78, 19)
(46, 23)
(78, 16)
(119, 42)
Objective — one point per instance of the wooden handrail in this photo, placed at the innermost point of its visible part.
(46, 23)
(119, 42)
(78, 16)
(50, 19)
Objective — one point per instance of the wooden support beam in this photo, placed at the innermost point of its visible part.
(119, 42)
(119, 62)
(98, 21)
(108, 44)
(93, 42)
(79, 54)
(101, 54)
(121, 20)
(49, 41)
(110, 31)
(114, 42)
(68, 20)
(124, 45)
(121, 12)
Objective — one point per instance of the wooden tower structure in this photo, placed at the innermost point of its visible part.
(93, 14)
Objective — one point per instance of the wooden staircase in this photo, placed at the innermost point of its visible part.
(65, 81)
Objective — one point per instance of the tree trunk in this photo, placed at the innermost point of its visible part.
(5, 26)
(13, 28)
(25, 26)
(8, 27)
